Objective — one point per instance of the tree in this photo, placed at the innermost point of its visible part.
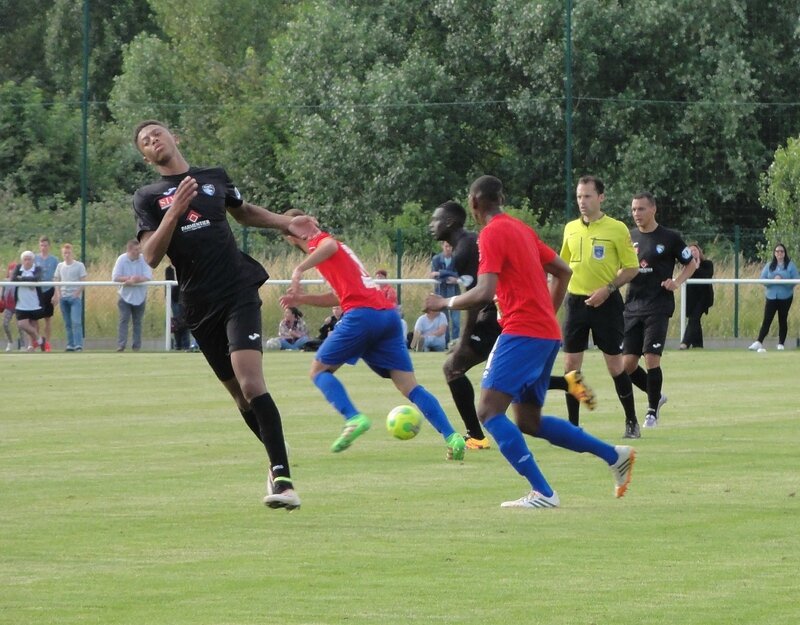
(780, 195)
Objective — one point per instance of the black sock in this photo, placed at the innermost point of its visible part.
(655, 381)
(269, 421)
(573, 410)
(639, 378)
(622, 383)
(250, 419)
(558, 383)
(464, 398)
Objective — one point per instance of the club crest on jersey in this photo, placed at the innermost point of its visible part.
(598, 252)
(686, 253)
(208, 189)
(659, 249)
(192, 216)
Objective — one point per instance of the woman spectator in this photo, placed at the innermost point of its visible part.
(778, 296)
(292, 330)
(28, 302)
(699, 298)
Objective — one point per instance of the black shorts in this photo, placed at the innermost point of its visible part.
(33, 315)
(645, 334)
(46, 298)
(605, 322)
(224, 327)
(475, 343)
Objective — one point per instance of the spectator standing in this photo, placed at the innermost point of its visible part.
(292, 330)
(7, 301)
(48, 265)
(429, 332)
(387, 289)
(182, 337)
(443, 271)
(28, 302)
(778, 297)
(699, 298)
(70, 298)
(131, 270)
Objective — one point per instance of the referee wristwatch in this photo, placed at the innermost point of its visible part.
(611, 287)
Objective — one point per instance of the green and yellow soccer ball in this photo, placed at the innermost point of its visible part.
(404, 422)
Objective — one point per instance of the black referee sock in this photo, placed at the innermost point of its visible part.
(655, 382)
(573, 410)
(269, 421)
(250, 419)
(558, 383)
(464, 398)
(639, 378)
(622, 383)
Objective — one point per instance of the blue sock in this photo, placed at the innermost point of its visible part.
(432, 409)
(563, 434)
(512, 445)
(334, 392)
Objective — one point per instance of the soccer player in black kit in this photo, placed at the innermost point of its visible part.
(184, 215)
(650, 300)
(481, 329)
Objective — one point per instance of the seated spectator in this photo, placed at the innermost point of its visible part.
(292, 330)
(330, 323)
(386, 289)
(429, 332)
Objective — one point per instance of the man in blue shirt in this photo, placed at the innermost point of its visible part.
(48, 265)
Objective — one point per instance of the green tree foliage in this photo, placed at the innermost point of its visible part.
(780, 195)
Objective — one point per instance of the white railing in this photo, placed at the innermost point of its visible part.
(762, 281)
(169, 284)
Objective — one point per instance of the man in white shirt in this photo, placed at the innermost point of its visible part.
(70, 298)
(131, 270)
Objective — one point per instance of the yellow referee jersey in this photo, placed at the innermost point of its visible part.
(595, 252)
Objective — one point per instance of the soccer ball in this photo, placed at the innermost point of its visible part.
(272, 344)
(404, 422)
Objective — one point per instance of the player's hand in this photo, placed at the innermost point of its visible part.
(184, 194)
(288, 300)
(598, 298)
(435, 302)
(303, 226)
(670, 284)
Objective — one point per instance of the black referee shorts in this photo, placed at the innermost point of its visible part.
(605, 323)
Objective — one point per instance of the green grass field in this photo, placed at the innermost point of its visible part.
(130, 493)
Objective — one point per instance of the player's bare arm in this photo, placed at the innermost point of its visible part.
(598, 297)
(558, 285)
(481, 295)
(321, 300)
(673, 284)
(155, 242)
(259, 217)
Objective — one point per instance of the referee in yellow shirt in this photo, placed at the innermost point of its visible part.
(599, 251)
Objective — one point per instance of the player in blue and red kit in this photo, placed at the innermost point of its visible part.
(513, 266)
(370, 328)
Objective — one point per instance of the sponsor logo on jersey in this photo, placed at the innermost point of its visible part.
(192, 216)
(208, 189)
(195, 221)
(165, 202)
(170, 191)
(236, 193)
(253, 336)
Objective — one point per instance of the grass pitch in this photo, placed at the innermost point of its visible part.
(130, 494)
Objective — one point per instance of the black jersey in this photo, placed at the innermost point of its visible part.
(465, 261)
(658, 251)
(208, 263)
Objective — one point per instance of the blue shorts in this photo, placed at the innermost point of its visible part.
(374, 335)
(520, 366)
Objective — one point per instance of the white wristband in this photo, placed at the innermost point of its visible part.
(451, 300)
